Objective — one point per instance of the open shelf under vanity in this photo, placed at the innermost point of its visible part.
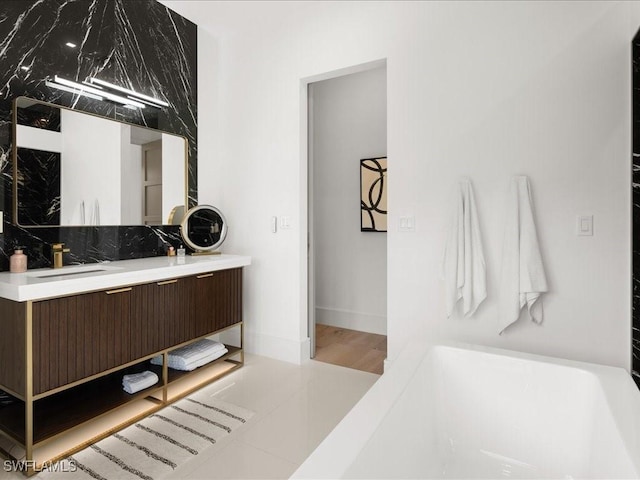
(73, 418)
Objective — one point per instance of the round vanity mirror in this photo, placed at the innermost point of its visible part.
(203, 228)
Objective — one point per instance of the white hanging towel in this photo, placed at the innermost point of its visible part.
(463, 267)
(522, 280)
(95, 213)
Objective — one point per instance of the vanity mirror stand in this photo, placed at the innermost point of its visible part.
(203, 229)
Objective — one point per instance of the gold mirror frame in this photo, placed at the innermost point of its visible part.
(14, 155)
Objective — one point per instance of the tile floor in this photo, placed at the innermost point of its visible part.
(295, 408)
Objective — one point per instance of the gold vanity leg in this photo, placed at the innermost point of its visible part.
(28, 401)
(165, 377)
(242, 343)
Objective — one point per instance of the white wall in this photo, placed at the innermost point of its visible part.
(482, 89)
(38, 138)
(349, 123)
(131, 179)
(173, 174)
(96, 180)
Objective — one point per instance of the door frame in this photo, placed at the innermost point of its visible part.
(307, 265)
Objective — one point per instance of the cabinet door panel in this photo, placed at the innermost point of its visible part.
(146, 327)
(230, 299)
(12, 345)
(158, 316)
(79, 336)
(218, 300)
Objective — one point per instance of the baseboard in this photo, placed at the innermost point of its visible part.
(385, 365)
(287, 350)
(363, 322)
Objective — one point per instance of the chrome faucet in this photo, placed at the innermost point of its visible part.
(57, 249)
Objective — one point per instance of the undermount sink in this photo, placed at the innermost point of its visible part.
(72, 270)
(205, 257)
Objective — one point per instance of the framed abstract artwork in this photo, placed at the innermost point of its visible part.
(373, 194)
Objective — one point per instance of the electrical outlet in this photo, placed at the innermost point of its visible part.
(584, 225)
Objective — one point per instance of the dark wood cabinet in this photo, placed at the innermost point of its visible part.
(159, 317)
(83, 335)
(13, 351)
(212, 309)
(79, 336)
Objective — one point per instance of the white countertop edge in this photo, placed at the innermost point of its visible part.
(21, 287)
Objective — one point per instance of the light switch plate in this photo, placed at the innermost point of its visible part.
(584, 225)
(285, 222)
(407, 223)
(1, 222)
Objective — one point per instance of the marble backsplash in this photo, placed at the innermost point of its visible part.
(141, 45)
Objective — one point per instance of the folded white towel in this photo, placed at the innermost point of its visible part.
(188, 366)
(181, 364)
(522, 278)
(463, 267)
(191, 356)
(139, 381)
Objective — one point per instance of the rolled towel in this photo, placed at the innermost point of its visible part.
(184, 357)
(139, 381)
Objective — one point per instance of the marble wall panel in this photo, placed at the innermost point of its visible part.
(38, 186)
(140, 45)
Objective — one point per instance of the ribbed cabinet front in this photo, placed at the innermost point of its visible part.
(159, 316)
(79, 336)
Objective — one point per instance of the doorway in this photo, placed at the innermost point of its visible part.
(347, 118)
(152, 183)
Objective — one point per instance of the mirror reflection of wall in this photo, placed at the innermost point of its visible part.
(110, 173)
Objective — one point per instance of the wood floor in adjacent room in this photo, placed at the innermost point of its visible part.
(350, 348)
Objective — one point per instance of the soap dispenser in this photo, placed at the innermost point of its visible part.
(18, 261)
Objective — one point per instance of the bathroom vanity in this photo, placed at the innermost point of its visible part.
(70, 334)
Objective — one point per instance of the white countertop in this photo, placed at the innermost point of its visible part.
(48, 282)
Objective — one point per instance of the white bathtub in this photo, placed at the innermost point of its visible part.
(476, 412)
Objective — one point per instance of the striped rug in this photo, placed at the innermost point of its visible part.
(156, 445)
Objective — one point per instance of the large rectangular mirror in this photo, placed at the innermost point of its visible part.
(73, 168)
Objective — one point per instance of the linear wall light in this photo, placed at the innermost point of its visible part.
(75, 91)
(130, 93)
(107, 95)
(95, 88)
